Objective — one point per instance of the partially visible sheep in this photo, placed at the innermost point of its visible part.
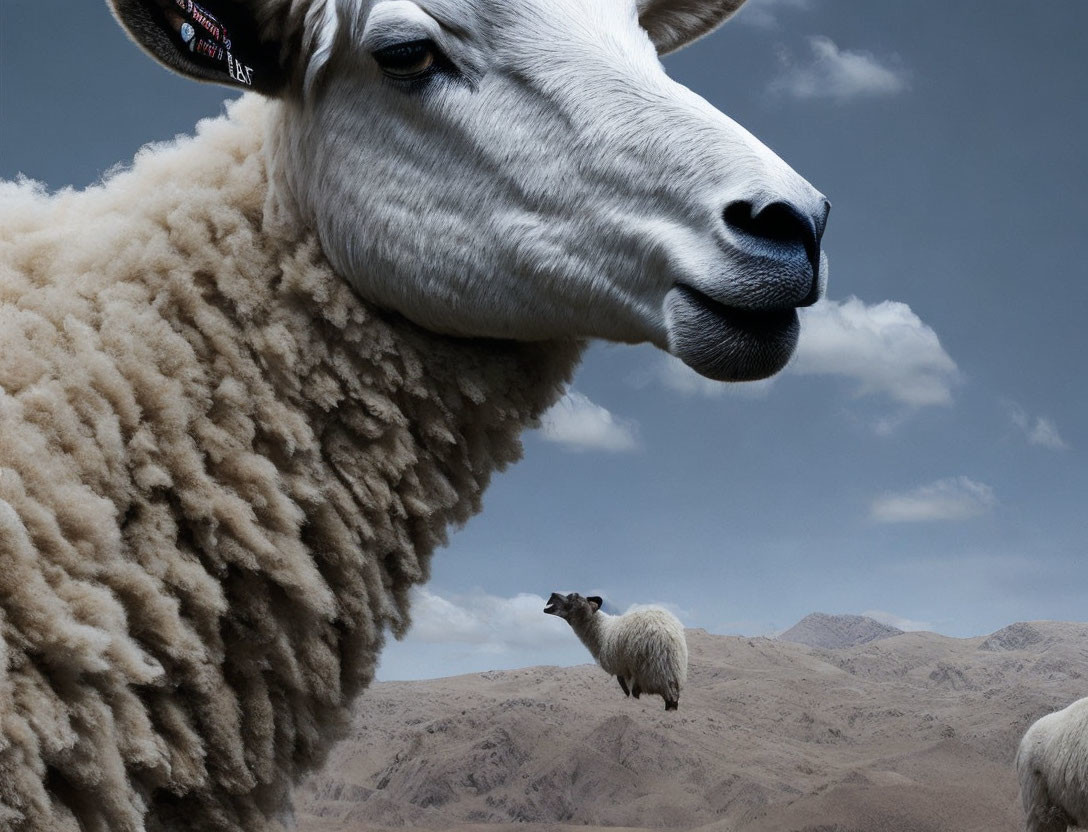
(1053, 767)
(645, 649)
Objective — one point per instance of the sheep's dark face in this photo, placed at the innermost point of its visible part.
(574, 606)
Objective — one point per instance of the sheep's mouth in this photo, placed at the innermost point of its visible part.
(552, 607)
(727, 343)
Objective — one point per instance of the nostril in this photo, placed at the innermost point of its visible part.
(784, 232)
(778, 222)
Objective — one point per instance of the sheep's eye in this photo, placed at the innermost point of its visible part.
(408, 61)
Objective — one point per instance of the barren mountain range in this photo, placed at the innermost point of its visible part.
(899, 732)
(834, 632)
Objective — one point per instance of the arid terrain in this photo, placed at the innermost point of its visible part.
(902, 732)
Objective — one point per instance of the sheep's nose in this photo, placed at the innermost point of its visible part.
(785, 232)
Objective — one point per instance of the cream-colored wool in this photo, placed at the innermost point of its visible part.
(220, 475)
(645, 647)
(1053, 768)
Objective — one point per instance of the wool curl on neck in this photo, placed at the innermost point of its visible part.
(221, 473)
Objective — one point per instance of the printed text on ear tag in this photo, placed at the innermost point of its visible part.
(202, 34)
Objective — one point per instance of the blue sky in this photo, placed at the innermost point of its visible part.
(922, 458)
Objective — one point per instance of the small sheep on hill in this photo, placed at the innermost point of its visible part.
(1053, 768)
(645, 649)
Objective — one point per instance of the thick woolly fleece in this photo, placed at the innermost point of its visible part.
(220, 475)
(646, 647)
(1053, 768)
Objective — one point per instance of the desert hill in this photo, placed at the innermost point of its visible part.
(835, 632)
(914, 733)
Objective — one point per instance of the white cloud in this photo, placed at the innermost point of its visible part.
(582, 425)
(908, 625)
(837, 73)
(764, 13)
(956, 498)
(1039, 430)
(1045, 433)
(885, 348)
(487, 622)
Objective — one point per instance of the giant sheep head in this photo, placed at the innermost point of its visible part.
(521, 168)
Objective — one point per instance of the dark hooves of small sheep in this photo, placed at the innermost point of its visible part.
(672, 706)
(623, 686)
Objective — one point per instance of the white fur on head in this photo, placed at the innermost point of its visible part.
(555, 183)
(548, 181)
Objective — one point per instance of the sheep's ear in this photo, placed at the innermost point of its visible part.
(211, 40)
(676, 23)
(595, 601)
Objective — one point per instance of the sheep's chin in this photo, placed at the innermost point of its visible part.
(725, 343)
